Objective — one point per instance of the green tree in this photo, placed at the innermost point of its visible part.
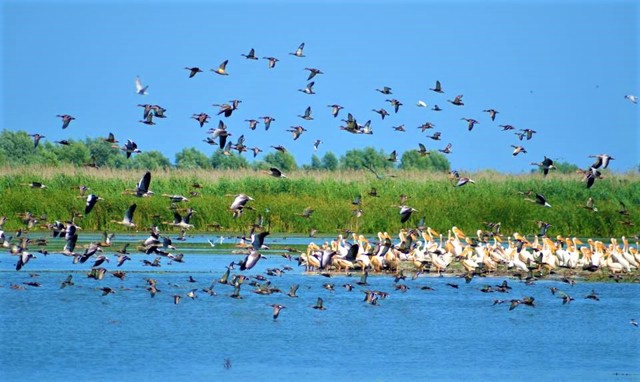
(412, 160)
(17, 147)
(358, 159)
(76, 153)
(149, 160)
(316, 164)
(103, 153)
(220, 161)
(283, 161)
(330, 161)
(191, 158)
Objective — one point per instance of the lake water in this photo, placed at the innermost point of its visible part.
(75, 333)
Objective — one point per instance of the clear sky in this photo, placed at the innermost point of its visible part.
(561, 68)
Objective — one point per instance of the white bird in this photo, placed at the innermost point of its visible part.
(421, 103)
(142, 90)
(632, 98)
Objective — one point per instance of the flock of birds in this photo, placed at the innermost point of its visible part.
(420, 248)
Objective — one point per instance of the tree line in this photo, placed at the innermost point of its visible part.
(18, 148)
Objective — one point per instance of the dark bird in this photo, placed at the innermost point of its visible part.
(492, 113)
(67, 282)
(446, 150)
(383, 113)
(405, 213)
(276, 173)
(395, 103)
(457, 101)
(36, 139)
(306, 213)
(276, 310)
(66, 120)
(91, 202)
(385, 90)
(335, 109)
(528, 133)
(267, 122)
(251, 55)
(63, 142)
(319, 304)
(545, 165)
(193, 71)
(438, 88)
(393, 157)
(540, 199)
(23, 259)
(436, 136)
(130, 148)
(313, 72)
(107, 291)
(202, 118)
(299, 51)
(507, 127)
(272, 61)
(634, 322)
(470, 123)
(593, 296)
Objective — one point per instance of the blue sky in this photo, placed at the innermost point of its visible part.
(559, 68)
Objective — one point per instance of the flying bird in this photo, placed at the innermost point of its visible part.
(313, 72)
(276, 310)
(492, 113)
(66, 120)
(631, 98)
(457, 101)
(307, 114)
(272, 61)
(545, 165)
(36, 139)
(251, 55)
(385, 90)
(222, 69)
(438, 88)
(127, 220)
(276, 173)
(193, 71)
(142, 90)
(335, 109)
(91, 202)
(299, 51)
(470, 122)
(308, 89)
(518, 149)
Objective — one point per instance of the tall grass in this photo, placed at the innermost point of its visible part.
(493, 198)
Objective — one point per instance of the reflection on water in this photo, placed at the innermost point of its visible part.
(75, 333)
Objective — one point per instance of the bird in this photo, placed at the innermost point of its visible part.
(422, 150)
(405, 213)
(67, 282)
(492, 113)
(251, 55)
(470, 122)
(23, 258)
(63, 142)
(446, 150)
(528, 133)
(421, 103)
(240, 201)
(267, 121)
(385, 90)
(307, 114)
(92, 199)
(425, 126)
(280, 148)
(127, 220)
(436, 136)
(202, 118)
(130, 147)
(436, 108)
(399, 128)
(545, 165)
(276, 310)
(437, 88)
(36, 139)
(272, 61)
(632, 98)
(142, 90)
(307, 212)
(457, 101)
(507, 127)
(316, 143)
(319, 304)
(602, 160)
(293, 290)
(383, 113)
(335, 109)
(276, 172)
(590, 205)
(393, 157)
(464, 180)
(308, 89)
(299, 51)
(107, 291)
(395, 103)
(518, 149)
(313, 72)
(540, 199)
(111, 138)
(593, 296)
(66, 120)
(222, 69)
(193, 71)
(634, 322)
(251, 259)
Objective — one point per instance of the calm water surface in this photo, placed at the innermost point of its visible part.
(49, 333)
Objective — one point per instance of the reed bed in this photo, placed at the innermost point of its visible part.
(494, 198)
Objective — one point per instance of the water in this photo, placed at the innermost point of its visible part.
(48, 333)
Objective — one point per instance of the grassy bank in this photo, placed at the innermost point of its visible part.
(493, 198)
